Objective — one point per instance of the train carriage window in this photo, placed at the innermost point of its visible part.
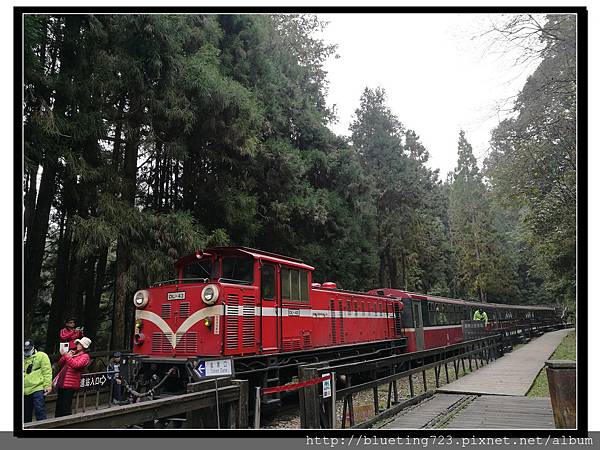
(267, 281)
(294, 285)
(238, 269)
(355, 308)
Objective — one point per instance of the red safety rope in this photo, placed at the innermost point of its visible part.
(294, 386)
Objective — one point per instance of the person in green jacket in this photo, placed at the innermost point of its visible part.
(37, 381)
(480, 314)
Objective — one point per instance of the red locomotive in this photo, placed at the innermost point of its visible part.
(263, 310)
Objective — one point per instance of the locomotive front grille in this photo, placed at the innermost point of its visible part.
(165, 311)
(161, 343)
(187, 342)
(184, 309)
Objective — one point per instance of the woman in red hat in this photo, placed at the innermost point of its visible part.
(68, 379)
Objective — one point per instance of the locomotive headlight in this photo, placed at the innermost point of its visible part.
(210, 294)
(140, 299)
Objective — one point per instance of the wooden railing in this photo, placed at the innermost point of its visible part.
(221, 404)
(316, 412)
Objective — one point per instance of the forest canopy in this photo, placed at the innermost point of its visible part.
(149, 136)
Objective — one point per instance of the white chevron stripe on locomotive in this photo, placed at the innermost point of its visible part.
(186, 325)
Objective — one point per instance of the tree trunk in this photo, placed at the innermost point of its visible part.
(94, 296)
(56, 319)
(404, 280)
(392, 268)
(119, 324)
(36, 242)
(29, 200)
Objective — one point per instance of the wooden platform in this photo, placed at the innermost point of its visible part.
(505, 412)
(454, 411)
(422, 414)
(514, 373)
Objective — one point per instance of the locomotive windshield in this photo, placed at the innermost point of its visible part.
(198, 269)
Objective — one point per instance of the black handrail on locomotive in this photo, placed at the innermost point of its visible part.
(233, 281)
(177, 280)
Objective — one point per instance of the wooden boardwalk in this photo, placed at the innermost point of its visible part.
(505, 412)
(514, 373)
(492, 397)
(455, 411)
(420, 415)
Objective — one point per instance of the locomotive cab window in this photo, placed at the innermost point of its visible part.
(198, 269)
(238, 270)
(267, 281)
(294, 285)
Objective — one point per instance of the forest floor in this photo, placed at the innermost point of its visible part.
(566, 350)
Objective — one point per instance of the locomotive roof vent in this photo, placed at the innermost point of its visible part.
(316, 285)
(380, 292)
(329, 285)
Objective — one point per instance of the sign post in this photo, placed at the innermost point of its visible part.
(333, 400)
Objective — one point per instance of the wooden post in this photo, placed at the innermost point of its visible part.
(240, 408)
(310, 413)
(257, 409)
(410, 386)
(350, 402)
(376, 400)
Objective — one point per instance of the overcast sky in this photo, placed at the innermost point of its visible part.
(438, 78)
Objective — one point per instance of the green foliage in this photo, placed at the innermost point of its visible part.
(483, 269)
(406, 195)
(533, 161)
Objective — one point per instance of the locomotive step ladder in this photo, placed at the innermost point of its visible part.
(271, 379)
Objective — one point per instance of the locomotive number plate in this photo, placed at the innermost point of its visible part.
(176, 296)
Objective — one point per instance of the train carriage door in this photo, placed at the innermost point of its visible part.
(417, 314)
(269, 315)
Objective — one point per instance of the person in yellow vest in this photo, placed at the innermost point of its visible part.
(37, 381)
(480, 314)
